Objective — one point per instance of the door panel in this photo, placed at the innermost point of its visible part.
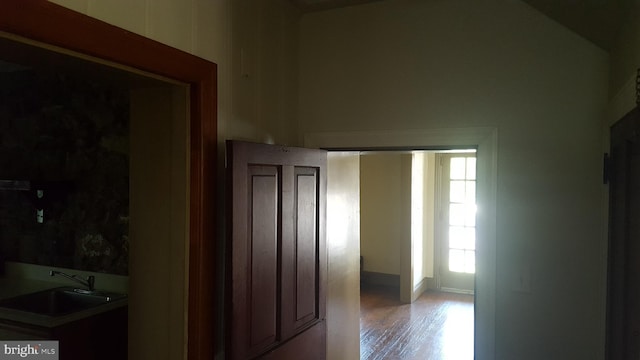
(263, 256)
(306, 342)
(276, 251)
(623, 290)
(300, 271)
(632, 261)
(306, 224)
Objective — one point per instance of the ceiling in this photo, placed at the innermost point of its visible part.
(595, 20)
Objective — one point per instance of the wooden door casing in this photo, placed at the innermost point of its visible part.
(276, 262)
(54, 25)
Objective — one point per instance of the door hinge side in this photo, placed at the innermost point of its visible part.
(606, 168)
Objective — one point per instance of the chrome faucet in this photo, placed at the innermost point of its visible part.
(89, 282)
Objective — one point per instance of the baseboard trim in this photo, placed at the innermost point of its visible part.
(457, 291)
(375, 278)
(422, 286)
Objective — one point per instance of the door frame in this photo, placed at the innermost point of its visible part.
(57, 26)
(485, 140)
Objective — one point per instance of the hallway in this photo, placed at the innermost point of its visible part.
(437, 326)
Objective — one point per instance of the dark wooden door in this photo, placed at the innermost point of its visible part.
(276, 261)
(623, 293)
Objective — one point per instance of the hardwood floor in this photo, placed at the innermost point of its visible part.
(437, 326)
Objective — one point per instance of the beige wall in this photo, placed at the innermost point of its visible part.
(386, 222)
(158, 223)
(381, 207)
(419, 65)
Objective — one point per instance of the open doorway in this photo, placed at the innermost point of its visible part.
(427, 199)
(343, 224)
(183, 120)
(89, 140)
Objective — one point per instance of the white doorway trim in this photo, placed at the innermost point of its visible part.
(485, 139)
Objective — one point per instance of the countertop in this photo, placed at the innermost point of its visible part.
(16, 287)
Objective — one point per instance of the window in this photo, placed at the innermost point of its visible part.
(461, 203)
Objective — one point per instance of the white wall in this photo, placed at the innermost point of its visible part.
(254, 44)
(199, 27)
(264, 72)
(625, 54)
(625, 61)
(411, 65)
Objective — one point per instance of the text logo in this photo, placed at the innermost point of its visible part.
(32, 350)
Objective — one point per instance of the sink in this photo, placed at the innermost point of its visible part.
(58, 301)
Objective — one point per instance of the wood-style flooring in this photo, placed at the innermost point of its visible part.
(437, 326)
